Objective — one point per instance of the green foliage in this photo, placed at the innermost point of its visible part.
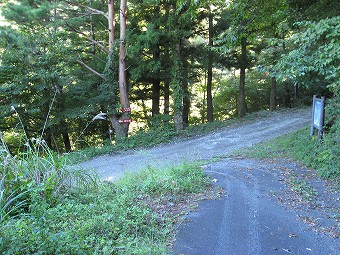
(177, 85)
(301, 187)
(324, 157)
(313, 57)
(51, 46)
(109, 88)
(118, 218)
(161, 130)
(37, 175)
(313, 10)
(10, 204)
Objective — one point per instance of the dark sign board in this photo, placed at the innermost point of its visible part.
(318, 113)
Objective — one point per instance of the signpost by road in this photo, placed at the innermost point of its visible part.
(318, 113)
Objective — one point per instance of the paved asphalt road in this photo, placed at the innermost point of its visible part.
(249, 220)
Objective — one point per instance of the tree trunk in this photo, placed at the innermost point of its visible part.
(156, 87)
(287, 95)
(123, 128)
(156, 84)
(48, 138)
(287, 102)
(66, 140)
(203, 109)
(156, 90)
(177, 84)
(167, 97)
(186, 104)
(210, 110)
(296, 91)
(111, 20)
(241, 94)
(272, 105)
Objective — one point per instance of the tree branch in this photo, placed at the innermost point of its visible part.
(101, 46)
(94, 11)
(91, 69)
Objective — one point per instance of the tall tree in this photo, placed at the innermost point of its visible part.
(246, 20)
(210, 109)
(122, 131)
(35, 47)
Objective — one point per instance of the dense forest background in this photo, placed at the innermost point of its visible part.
(185, 62)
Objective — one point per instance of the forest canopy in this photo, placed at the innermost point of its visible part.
(76, 73)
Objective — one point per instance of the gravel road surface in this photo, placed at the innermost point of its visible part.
(222, 142)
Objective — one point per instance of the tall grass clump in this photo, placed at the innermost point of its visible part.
(34, 176)
(38, 174)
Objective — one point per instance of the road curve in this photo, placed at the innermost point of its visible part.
(225, 141)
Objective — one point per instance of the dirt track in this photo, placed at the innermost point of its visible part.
(266, 126)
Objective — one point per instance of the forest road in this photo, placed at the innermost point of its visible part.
(266, 126)
(252, 217)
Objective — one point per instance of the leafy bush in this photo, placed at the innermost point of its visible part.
(314, 56)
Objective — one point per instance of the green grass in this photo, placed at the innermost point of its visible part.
(302, 188)
(324, 157)
(135, 215)
(48, 207)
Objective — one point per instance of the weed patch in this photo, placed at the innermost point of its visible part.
(324, 157)
(302, 188)
(135, 215)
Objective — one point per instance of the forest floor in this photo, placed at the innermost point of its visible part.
(270, 206)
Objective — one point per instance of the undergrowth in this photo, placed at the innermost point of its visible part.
(36, 175)
(302, 188)
(50, 207)
(116, 218)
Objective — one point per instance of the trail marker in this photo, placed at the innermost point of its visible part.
(318, 116)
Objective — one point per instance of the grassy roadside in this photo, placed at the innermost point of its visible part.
(323, 157)
(136, 215)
